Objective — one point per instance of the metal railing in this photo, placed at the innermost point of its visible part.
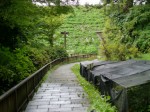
(18, 96)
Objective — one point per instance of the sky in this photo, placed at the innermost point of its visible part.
(83, 2)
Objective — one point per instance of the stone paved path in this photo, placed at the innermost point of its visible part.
(60, 93)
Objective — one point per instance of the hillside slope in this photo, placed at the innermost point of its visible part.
(81, 27)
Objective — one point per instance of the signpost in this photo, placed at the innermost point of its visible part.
(65, 35)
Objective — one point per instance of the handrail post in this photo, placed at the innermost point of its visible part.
(34, 83)
(27, 91)
(16, 103)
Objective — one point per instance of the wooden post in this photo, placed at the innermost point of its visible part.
(65, 35)
(103, 43)
(100, 36)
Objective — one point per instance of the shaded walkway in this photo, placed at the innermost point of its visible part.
(60, 93)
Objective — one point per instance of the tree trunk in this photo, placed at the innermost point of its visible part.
(4, 2)
(128, 4)
(148, 2)
(51, 39)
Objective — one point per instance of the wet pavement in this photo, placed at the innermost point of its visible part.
(61, 92)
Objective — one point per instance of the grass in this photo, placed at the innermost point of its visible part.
(82, 27)
(97, 102)
(144, 57)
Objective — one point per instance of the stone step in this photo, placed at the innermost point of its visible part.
(60, 93)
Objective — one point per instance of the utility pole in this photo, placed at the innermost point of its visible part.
(65, 35)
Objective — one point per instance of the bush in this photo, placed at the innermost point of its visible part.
(117, 51)
(38, 56)
(114, 46)
(57, 52)
(14, 67)
(18, 64)
(126, 34)
(5, 56)
(6, 78)
(21, 65)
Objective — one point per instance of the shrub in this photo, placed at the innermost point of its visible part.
(57, 52)
(114, 46)
(117, 51)
(126, 34)
(14, 67)
(6, 78)
(38, 56)
(21, 65)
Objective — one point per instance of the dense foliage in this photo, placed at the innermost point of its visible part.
(82, 26)
(26, 41)
(126, 33)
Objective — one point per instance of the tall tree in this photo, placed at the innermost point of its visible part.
(128, 4)
(15, 18)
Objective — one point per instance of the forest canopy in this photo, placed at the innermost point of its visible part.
(26, 41)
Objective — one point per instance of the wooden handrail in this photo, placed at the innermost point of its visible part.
(16, 98)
